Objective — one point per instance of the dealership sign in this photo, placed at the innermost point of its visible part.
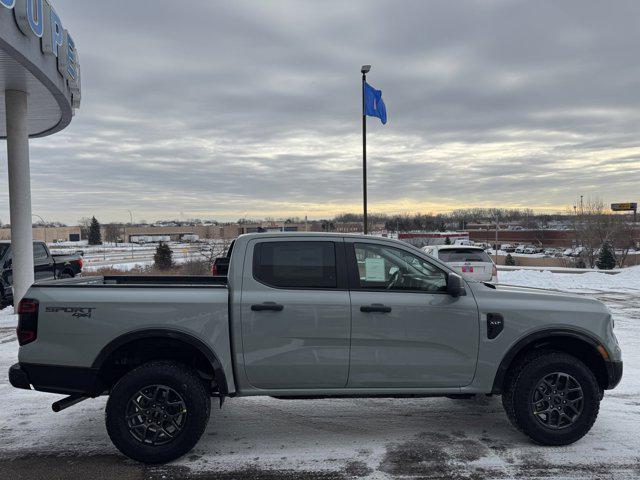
(38, 18)
(624, 207)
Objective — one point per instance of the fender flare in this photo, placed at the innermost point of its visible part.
(525, 342)
(154, 333)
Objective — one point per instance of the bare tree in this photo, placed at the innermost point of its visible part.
(623, 238)
(84, 223)
(211, 250)
(112, 232)
(593, 227)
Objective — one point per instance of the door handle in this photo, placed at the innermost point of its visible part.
(266, 306)
(375, 307)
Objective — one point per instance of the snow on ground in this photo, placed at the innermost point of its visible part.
(628, 280)
(344, 438)
(7, 318)
(132, 265)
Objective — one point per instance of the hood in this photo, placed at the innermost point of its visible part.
(537, 298)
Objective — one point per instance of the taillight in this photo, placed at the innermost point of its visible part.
(81, 263)
(494, 272)
(27, 330)
(214, 270)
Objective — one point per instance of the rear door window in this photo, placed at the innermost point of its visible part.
(295, 264)
(452, 255)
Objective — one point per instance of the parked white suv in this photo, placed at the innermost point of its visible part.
(520, 249)
(472, 261)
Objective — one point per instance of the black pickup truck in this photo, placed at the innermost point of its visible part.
(220, 267)
(46, 267)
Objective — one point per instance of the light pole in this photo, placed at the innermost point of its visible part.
(495, 246)
(44, 224)
(125, 231)
(364, 70)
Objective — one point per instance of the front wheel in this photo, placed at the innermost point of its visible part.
(157, 412)
(553, 398)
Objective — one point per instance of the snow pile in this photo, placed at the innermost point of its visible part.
(627, 280)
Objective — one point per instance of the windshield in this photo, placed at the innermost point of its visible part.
(463, 255)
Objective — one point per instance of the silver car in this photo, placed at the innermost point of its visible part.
(472, 261)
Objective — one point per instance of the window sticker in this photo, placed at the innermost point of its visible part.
(374, 270)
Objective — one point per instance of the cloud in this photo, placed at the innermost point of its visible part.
(219, 109)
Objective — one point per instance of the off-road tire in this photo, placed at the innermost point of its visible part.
(183, 381)
(520, 386)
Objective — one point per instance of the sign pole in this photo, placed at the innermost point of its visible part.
(364, 156)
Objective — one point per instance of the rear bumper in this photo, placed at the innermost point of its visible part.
(614, 374)
(56, 379)
(18, 378)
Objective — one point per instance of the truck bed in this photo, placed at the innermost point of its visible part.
(81, 320)
(139, 281)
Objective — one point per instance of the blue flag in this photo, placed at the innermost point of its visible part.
(373, 103)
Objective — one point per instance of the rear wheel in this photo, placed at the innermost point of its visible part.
(157, 412)
(553, 398)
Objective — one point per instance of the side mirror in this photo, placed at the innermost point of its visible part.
(455, 288)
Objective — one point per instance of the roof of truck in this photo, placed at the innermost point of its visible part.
(313, 234)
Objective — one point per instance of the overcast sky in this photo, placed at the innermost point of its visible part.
(226, 109)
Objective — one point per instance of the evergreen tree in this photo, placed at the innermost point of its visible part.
(163, 258)
(447, 241)
(510, 261)
(606, 259)
(95, 236)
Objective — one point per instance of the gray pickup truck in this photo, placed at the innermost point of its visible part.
(305, 315)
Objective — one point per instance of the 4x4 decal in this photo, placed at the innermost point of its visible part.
(79, 312)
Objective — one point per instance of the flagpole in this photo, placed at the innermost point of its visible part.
(364, 70)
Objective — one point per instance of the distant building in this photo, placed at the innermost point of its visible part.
(49, 234)
(538, 237)
(422, 239)
(225, 232)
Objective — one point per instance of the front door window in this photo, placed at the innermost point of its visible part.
(387, 268)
